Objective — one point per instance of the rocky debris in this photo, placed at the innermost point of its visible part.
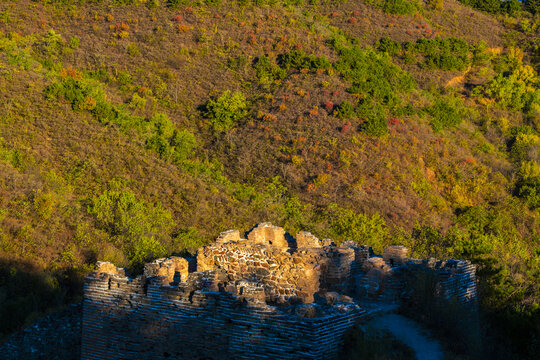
(228, 236)
(174, 269)
(307, 240)
(103, 267)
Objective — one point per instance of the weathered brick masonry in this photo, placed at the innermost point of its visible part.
(269, 296)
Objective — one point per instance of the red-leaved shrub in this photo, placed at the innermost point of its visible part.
(329, 106)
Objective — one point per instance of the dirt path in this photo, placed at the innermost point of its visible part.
(411, 334)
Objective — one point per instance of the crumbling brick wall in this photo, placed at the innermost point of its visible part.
(146, 318)
(266, 258)
(270, 296)
(390, 277)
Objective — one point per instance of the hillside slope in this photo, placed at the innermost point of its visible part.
(136, 129)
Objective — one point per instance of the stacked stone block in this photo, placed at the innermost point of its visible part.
(395, 255)
(139, 318)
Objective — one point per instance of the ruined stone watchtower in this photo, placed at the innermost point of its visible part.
(270, 296)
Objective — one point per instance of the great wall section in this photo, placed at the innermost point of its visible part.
(266, 296)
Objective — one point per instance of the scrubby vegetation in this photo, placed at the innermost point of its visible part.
(135, 129)
(505, 6)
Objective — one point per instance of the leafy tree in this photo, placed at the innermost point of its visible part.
(533, 6)
(528, 184)
(372, 74)
(344, 111)
(363, 229)
(140, 226)
(445, 114)
(183, 142)
(496, 6)
(388, 46)
(226, 110)
(398, 7)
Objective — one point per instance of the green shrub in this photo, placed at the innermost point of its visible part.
(124, 78)
(226, 110)
(533, 6)
(458, 242)
(525, 147)
(516, 84)
(87, 95)
(163, 125)
(495, 6)
(444, 54)
(281, 201)
(480, 54)
(168, 141)
(152, 4)
(514, 131)
(105, 112)
(435, 4)
(469, 244)
(428, 241)
(177, 3)
(140, 226)
(108, 252)
(344, 111)
(349, 225)
(399, 7)
(74, 42)
(295, 59)
(133, 50)
(405, 110)
(388, 46)
(137, 102)
(528, 184)
(144, 249)
(189, 240)
(318, 63)
(184, 143)
(266, 71)
(44, 203)
(80, 93)
(120, 213)
(263, 68)
(515, 90)
(444, 114)
(49, 49)
(374, 116)
(212, 2)
(373, 75)
(159, 144)
(238, 63)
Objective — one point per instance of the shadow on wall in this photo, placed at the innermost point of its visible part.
(126, 318)
(455, 322)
